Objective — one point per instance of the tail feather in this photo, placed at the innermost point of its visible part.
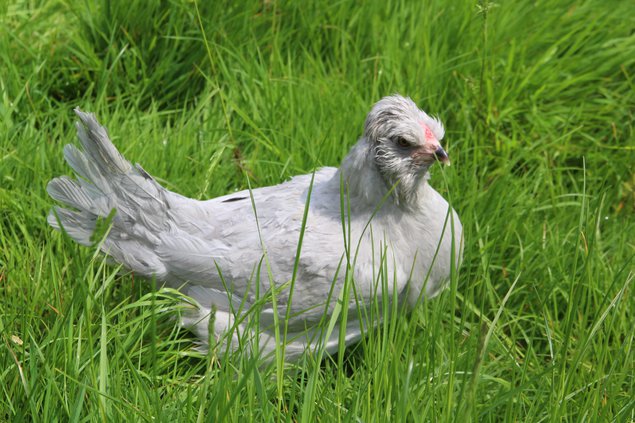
(79, 226)
(81, 197)
(98, 146)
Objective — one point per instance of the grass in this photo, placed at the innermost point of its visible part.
(538, 100)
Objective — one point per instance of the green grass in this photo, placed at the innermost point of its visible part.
(538, 99)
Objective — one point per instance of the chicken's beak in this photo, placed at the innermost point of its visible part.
(441, 155)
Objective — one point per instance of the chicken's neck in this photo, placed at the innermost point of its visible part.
(366, 184)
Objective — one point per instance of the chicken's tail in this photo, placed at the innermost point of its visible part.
(106, 182)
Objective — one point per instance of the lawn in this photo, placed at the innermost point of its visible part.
(538, 101)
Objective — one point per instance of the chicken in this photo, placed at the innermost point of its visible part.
(376, 214)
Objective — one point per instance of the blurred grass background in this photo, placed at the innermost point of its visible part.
(538, 101)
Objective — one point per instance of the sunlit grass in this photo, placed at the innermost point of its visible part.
(537, 100)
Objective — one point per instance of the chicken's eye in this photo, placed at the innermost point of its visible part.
(402, 142)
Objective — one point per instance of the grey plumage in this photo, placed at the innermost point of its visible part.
(218, 251)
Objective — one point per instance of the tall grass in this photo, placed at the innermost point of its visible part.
(538, 101)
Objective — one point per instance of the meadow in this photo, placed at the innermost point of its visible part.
(538, 101)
